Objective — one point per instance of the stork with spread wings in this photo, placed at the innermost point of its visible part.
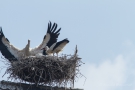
(49, 39)
(10, 52)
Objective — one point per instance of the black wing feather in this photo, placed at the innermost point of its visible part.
(54, 33)
(52, 29)
(4, 50)
(58, 31)
(55, 28)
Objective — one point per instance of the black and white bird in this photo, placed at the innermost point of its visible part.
(9, 51)
(49, 39)
(55, 48)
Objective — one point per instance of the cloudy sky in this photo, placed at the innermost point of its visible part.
(104, 31)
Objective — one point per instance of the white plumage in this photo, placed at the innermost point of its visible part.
(55, 48)
(50, 38)
(11, 52)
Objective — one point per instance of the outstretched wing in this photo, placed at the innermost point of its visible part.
(9, 51)
(58, 46)
(53, 35)
(49, 39)
(61, 44)
(4, 49)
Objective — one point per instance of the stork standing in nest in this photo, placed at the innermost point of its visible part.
(11, 52)
(49, 39)
(55, 48)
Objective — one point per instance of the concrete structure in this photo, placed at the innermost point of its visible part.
(6, 85)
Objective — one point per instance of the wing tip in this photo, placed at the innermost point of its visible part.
(66, 40)
(52, 28)
(49, 27)
(1, 32)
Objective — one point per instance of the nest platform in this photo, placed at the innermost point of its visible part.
(47, 70)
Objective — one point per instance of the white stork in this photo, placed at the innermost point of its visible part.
(49, 39)
(55, 48)
(9, 51)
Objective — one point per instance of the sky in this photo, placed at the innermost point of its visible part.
(103, 30)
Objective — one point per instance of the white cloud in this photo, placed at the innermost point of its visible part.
(106, 76)
(128, 43)
(111, 74)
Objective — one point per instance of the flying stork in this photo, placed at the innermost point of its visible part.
(9, 51)
(55, 48)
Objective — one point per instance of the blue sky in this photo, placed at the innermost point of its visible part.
(104, 31)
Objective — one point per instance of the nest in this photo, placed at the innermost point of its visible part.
(48, 70)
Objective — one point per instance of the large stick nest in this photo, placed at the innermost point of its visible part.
(49, 70)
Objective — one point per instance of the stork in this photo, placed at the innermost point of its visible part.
(49, 39)
(55, 48)
(9, 51)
